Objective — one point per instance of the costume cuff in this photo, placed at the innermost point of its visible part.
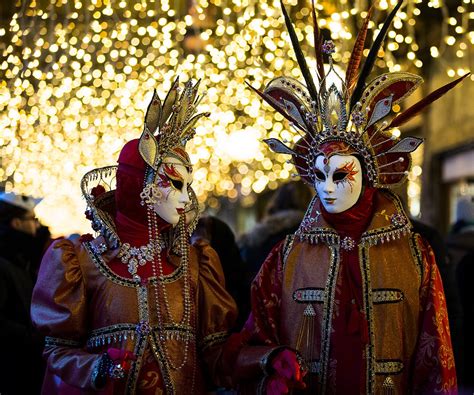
(252, 361)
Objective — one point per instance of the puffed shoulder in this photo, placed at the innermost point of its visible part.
(58, 302)
(208, 260)
(218, 311)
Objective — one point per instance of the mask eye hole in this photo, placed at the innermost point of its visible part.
(319, 175)
(339, 176)
(177, 184)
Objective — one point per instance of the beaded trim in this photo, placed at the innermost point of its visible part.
(163, 363)
(383, 235)
(316, 295)
(315, 236)
(213, 339)
(127, 282)
(177, 332)
(388, 366)
(416, 252)
(105, 270)
(120, 332)
(367, 296)
(314, 366)
(305, 295)
(139, 350)
(56, 341)
(371, 238)
(111, 334)
(328, 305)
(287, 246)
(389, 295)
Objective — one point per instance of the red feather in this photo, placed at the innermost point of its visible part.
(409, 113)
(356, 55)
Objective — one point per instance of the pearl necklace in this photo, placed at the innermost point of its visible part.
(157, 270)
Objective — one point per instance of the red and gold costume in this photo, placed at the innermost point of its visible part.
(371, 319)
(137, 310)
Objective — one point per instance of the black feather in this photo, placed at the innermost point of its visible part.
(369, 62)
(299, 55)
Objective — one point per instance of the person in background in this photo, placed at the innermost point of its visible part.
(21, 365)
(460, 246)
(283, 215)
(221, 238)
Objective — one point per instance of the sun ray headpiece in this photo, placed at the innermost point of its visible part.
(351, 120)
(168, 126)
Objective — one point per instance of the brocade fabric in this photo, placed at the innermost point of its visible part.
(83, 308)
(405, 342)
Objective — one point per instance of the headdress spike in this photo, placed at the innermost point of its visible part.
(299, 55)
(356, 56)
(369, 62)
(318, 49)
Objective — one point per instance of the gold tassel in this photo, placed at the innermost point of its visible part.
(305, 341)
(388, 386)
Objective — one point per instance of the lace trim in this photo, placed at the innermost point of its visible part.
(56, 341)
(305, 295)
(389, 295)
(213, 339)
(388, 366)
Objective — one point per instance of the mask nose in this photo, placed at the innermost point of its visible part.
(184, 197)
(329, 186)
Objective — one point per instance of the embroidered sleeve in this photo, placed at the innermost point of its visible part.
(260, 333)
(434, 360)
(264, 318)
(59, 311)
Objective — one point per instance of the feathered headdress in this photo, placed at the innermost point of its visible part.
(355, 115)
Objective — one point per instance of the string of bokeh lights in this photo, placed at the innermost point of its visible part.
(77, 76)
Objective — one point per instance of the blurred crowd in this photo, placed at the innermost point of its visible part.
(23, 240)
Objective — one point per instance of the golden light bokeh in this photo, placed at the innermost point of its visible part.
(77, 77)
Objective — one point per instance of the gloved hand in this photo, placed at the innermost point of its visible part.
(288, 373)
(114, 364)
(121, 361)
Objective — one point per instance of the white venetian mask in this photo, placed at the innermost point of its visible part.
(338, 181)
(172, 181)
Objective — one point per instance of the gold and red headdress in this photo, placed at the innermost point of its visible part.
(354, 119)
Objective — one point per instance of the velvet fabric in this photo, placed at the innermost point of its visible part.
(130, 179)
